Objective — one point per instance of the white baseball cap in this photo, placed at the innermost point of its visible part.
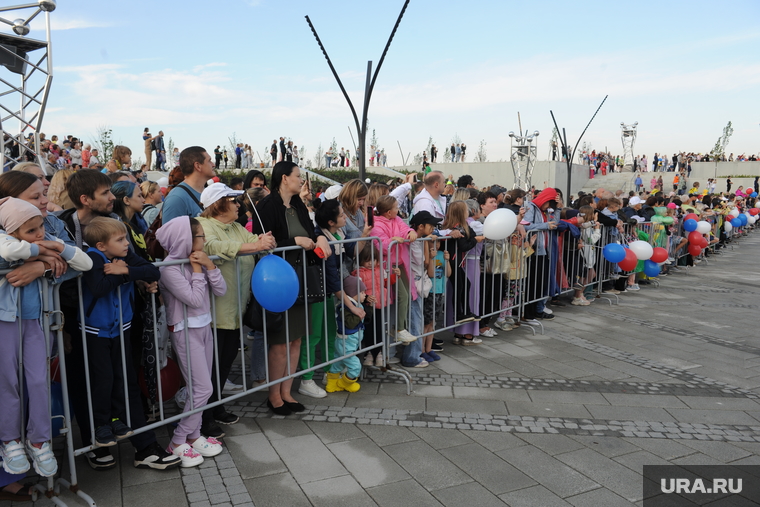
(216, 191)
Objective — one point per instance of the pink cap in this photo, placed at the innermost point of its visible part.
(672, 205)
(524, 222)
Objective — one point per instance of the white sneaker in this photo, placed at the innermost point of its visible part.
(310, 388)
(14, 457)
(488, 333)
(547, 310)
(635, 286)
(181, 397)
(393, 360)
(405, 336)
(474, 341)
(531, 322)
(579, 302)
(43, 459)
(188, 456)
(421, 364)
(368, 360)
(230, 388)
(207, 447)
(379, 360)
(503, 325)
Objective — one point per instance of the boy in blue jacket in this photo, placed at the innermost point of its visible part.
(107, 295)
(350, 334)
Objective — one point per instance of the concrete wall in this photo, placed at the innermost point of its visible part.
(490, 173)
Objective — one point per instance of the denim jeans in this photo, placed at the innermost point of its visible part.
(258, 361)
(412, 351)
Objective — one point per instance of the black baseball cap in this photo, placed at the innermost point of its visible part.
(424, 217)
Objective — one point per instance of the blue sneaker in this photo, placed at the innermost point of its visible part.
(433, 356)
(104, 436)
(43, 459)
(426, 357)
(14, 457)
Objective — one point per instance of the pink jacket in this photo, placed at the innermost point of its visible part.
(385, 230)
(179, 285)
(376, 285)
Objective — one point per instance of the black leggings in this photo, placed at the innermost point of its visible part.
(228, 342)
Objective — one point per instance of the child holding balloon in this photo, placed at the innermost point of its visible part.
(186, 290)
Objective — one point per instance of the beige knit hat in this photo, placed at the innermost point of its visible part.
(15, 212)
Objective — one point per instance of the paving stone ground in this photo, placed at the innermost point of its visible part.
(564, 418)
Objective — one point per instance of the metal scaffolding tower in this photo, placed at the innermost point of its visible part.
(26, 101)
(628, 137)
(523, 158)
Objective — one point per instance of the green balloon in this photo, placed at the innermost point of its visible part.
(661, 211)
(667, 220)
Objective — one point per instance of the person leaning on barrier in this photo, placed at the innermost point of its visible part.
(184, 200)
(284, 214)
(541, 220)
(230, 241)
(90, 191)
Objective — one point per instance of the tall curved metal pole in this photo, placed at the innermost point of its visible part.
(369, 86)
(569, 156)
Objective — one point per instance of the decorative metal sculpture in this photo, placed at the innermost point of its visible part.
(32, 93)
(628, 137)
(566, 148)
(523, 158)
(369, 86)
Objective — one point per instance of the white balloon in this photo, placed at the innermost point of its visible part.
(727, 226)
(751, 220)
(703, 227)
(734, 212)
(499, 224)
(642, 249)
(368, 181)
(163, 182)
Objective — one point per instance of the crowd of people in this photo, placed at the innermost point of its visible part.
(111, 224)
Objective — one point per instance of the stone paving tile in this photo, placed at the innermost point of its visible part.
(488, 469)
(574, 398)
(598, 498)
(276, 491)
(607, 446)
(468, 494)
(472, 406)
(712, 416)
(718, 450)
(647, 400)
(170, 493)
(321, 464)
(426, 465)
(403, 494)
(559, 478)
(494, 441)
(255, 456)
(330, 433)
(440, 438)
(605, 471)
(699, 402)
(384, 436)
(337, 492)
(367, 462)
(551, 444)
(536, 496)
(548, 409)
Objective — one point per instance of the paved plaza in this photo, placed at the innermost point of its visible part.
(668, 375)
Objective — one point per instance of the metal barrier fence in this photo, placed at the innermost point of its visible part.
(469, 286)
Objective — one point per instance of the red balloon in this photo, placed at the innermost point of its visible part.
(659, 255)
(754, 211)
(695, 238)
(695, 250)
(692, 216)
(630, 261)
(704, 243)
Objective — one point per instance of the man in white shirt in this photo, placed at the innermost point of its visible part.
(430, 199)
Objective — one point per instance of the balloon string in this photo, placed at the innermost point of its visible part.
(263, 231)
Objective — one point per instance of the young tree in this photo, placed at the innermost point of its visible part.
(103, 143)
(170, 154)
(481, 156)
(319, 157)
(234, 141)
(719, 150)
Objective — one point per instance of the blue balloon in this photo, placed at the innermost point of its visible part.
(651, 268)
(690, 225)
(743, 218)
(274, 284)
(736, 222)
(614, 253)
(753, 194)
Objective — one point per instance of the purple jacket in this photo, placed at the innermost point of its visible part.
(178, 283)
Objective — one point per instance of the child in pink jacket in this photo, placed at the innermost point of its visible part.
(389, 227)
(185, 288)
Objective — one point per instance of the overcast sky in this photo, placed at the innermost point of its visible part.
(203, 70)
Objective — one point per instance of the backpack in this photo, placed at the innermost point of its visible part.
(152, 246)
(153, 145)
